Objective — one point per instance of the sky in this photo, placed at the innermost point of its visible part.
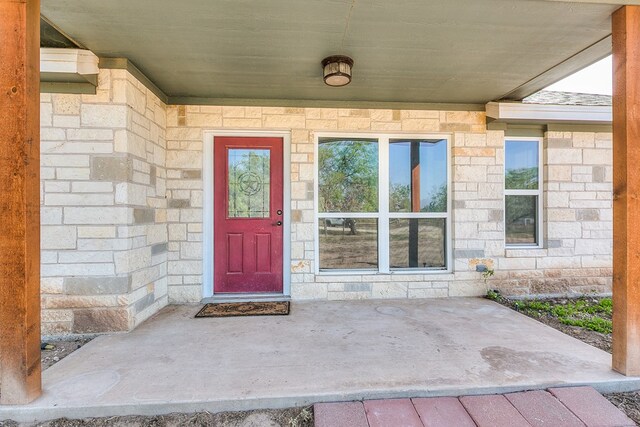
(594, 79)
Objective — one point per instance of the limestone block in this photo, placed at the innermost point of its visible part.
(564, 156)
(184, 159)
(90, 135)
(57, 186)
(309, 291)
(97, 285)
(91, 187)
(584, 139)
(470, 173)
(594, 247)
(285, 121)
(132, 260)
(105, 116)
(559, 173)
(191, 250)
(58, 237)
(558, 262)
(46, 114)
(65, 103)
(184, 294)
(241, 123)
(51, 316)
(52, 134)
(87, 269)
(97, 215)
(71, 257)
(102, 320)
(50, 216)
(598, 157)
(428, 293)
(57, 147)
(70, 199)
(51, 285)
(64, 160)
(66, 121)
(389, 290)
(104, 232)
(184, 267)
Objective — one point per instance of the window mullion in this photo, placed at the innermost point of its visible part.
(383, 207)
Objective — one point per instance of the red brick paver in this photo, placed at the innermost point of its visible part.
(349, 414)
(392, 413)
(493, 411)
(591, 407)
(541, 409)
(557, 407)
(442, 412)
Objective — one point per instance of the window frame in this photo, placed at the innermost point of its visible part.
(539, 193)
(383, 215)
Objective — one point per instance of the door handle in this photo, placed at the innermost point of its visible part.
(278, 223)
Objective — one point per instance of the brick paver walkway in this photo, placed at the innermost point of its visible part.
(556, 407)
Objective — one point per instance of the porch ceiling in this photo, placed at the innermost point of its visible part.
(413, 51)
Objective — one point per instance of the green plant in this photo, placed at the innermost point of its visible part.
(488, 273)
(493, 295)
(594, 316)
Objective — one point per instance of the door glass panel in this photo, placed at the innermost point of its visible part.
(417, 175)
(249, 183)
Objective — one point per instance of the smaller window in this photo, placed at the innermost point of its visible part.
(523, 193)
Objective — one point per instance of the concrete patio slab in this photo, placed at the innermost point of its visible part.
(322, 352)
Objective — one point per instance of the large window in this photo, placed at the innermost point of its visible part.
(523, 193)
(383, 203)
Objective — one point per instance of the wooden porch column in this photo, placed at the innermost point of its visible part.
(626, 190)
(19, 201)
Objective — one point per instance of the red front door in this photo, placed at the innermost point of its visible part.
(248, 214)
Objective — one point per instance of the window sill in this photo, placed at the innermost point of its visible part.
(378, 273)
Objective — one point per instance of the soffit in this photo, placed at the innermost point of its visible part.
(413, 51)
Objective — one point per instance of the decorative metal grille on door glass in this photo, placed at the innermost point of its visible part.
(249, 184)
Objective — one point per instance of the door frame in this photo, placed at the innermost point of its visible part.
(209, 136)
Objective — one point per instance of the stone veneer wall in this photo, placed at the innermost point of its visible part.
(578, 215)
(104, 235)
(122, 205)
(578, 197)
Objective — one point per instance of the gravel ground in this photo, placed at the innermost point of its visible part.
(55, 351)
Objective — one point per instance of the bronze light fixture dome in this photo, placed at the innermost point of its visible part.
(337, 70)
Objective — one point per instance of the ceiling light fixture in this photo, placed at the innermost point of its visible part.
(337, 70)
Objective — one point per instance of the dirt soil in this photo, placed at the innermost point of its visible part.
(292, 417)
(629, 402)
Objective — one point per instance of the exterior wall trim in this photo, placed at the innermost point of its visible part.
(208, 215)
(515, 112)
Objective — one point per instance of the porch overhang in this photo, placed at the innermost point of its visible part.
(409, 54)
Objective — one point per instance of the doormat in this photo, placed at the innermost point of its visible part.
(231, 309)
